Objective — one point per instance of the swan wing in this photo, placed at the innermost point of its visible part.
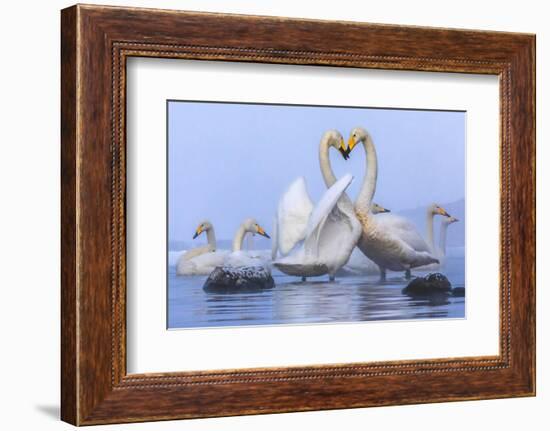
(332, 227)
(293, 213)
(403, 229)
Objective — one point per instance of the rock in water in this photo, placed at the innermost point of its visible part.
(459, 292)
(431, 284)
(244, 279)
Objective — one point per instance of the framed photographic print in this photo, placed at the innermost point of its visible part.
(316, 215)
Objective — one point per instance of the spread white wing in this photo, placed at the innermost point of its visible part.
(333, 228)
(293, 213)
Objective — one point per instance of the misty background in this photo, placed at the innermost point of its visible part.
(227, 162)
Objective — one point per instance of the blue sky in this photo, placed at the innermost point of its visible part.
(232, 161)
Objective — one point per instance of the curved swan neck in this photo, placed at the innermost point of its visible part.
(239, 238)
(364, 200)
(430, 228)
(211, 237)
(324, 161)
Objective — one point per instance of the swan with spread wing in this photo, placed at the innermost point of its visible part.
(315, 240)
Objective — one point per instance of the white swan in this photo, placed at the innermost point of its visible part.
(443, 237)
(294, 219)
(242, 270)
(295, 206)
(407, 231)
(202, 260)
(386, 247)
(358, 263)
(239, 257)
(331, 235)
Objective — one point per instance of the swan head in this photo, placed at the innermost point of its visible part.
(333, 138)
(357, 135)
(436, 209)
(379, 209)
(204, 226)
(252, 226)
(450, 219)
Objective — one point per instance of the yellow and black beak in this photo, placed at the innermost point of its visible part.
(343, 150)
(443, 212)
(384, 210)
(262, 232)
(198, 232)
(351, 144)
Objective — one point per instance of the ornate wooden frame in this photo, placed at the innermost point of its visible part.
(95, 43)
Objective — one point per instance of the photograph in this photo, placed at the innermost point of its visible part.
(286, 214)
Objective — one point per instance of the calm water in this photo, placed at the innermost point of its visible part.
(348, 299)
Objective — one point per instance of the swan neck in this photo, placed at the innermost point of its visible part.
(211, 237)
(324, 161)
(443, 239)
(328, 174)
(368, 188)
(430, 228)
(239, 238)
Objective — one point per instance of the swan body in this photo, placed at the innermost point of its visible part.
(408, 232)
(404, 229)
(203, 264)
(248, 258)
(393, 249)
(358, 263)
(202, 260)
(331, 234)
(242, 270)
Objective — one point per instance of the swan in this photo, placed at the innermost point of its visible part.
(389, 249)
(331, 234)
(358, 263)
(408, 232)
(295, 206)
(242, 270)
(379, 209)
(239, 257)
(443, 237)
(202, 260)
(294, 216)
